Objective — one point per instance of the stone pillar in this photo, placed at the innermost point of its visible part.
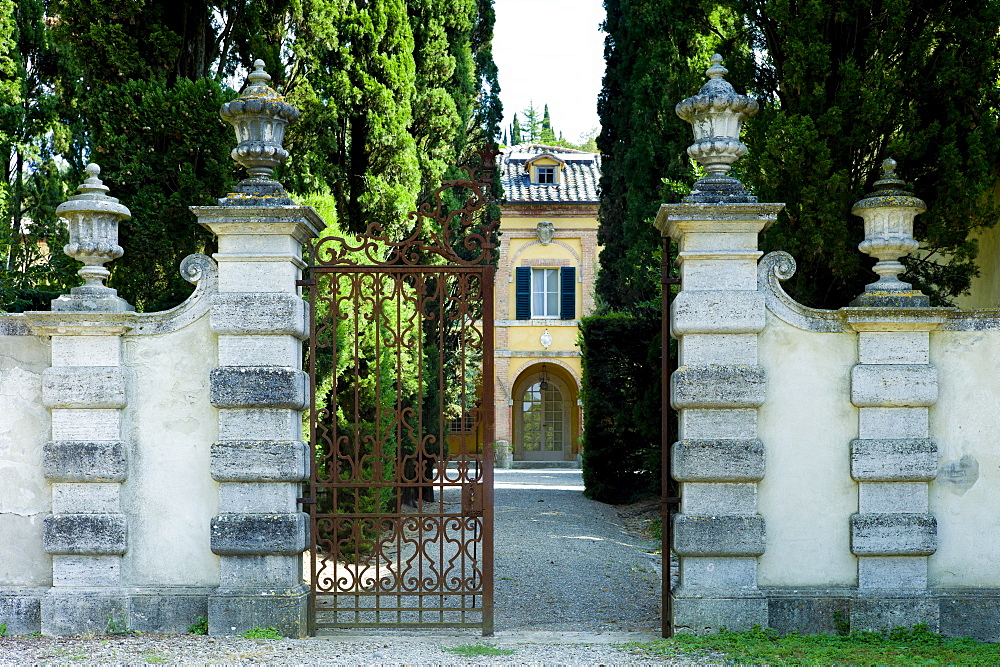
(259, 387)
(87, 459)
(718, 385)
(893, 460)
(893, 386)
(717, 389)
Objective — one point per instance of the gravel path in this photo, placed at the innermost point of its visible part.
(575, 583)
(564, 562)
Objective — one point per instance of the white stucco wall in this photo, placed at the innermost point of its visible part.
(807, 422)
(171, 427)
(25, 498)
(965, 422)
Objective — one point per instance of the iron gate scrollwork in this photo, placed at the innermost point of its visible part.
(401, 424)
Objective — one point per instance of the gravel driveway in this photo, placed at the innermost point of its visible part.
(575, 580)
(564, 562)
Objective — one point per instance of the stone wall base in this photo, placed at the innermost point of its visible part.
(21, 610)
(962, 612)
(234, 611)
(66, 612)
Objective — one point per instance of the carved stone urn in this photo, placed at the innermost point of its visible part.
(259, 117)
(92, 217)
(888, 213)
(716, 115)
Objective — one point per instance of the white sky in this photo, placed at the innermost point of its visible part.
(551, 52)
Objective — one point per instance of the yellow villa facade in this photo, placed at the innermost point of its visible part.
(544, 285)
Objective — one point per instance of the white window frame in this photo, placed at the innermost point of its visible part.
(539, 287)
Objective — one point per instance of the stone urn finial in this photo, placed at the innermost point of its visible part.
(92, 217)
(259, 116)
(716, 115)
(888, 213)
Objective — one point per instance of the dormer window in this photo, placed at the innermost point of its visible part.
(546, 175)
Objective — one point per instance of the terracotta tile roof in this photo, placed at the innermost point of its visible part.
(580, 177)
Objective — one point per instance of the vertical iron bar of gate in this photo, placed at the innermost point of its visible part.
(668, 489)
(488, 407)
(309, 284)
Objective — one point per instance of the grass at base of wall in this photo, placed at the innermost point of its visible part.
(909, 646)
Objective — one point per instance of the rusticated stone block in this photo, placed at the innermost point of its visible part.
(703, 614)
(83, 387)
(257, 387)
(894, 460)
(69, 612)
(717, 387)
(259, 534)
(894, 385)
(877, 612)
(21, 613)
(233, 612)
(260, 461)
(719, 312)
(84, 461)
(972, 613)
(893, 534)
(85, 534)
(718, 535)
(717, 461)
(259, 313)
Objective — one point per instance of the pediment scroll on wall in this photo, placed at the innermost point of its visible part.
(777, 267)
(203, 272)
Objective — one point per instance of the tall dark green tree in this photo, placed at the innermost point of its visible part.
(153, 74)
(846, 84)
(515, 131)
(642, 141)
(356, 92)
(548, 135)
(40, 139)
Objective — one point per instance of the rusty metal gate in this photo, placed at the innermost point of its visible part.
(401, 424)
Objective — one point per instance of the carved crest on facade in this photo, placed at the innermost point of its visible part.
(544, 231)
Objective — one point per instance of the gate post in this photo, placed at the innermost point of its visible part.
(718, 385)
(259, 388)
(87, 459)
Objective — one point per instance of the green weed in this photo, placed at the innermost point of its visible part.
(153, 657)
(475, 650)
(655, 529)
(199, 627)
(902, 646)
(3, 629)
(262, 633)
(116, 626)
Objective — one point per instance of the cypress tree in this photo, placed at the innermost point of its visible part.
(547, 135)
(356, 92)
(642, 141)
(515, 131)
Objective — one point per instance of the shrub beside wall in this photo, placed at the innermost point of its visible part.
(621, 403)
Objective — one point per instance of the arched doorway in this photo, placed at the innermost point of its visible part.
(544, 416)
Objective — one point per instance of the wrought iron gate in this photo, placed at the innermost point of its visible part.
(401, 424)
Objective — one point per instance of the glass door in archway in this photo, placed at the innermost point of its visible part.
(543, 429)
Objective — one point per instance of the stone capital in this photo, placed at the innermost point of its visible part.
(300, 222)
(62, 323)
(678, 220)
(895, 319)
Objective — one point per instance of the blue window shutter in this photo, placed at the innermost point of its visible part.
(567, 305)
(522, 289)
